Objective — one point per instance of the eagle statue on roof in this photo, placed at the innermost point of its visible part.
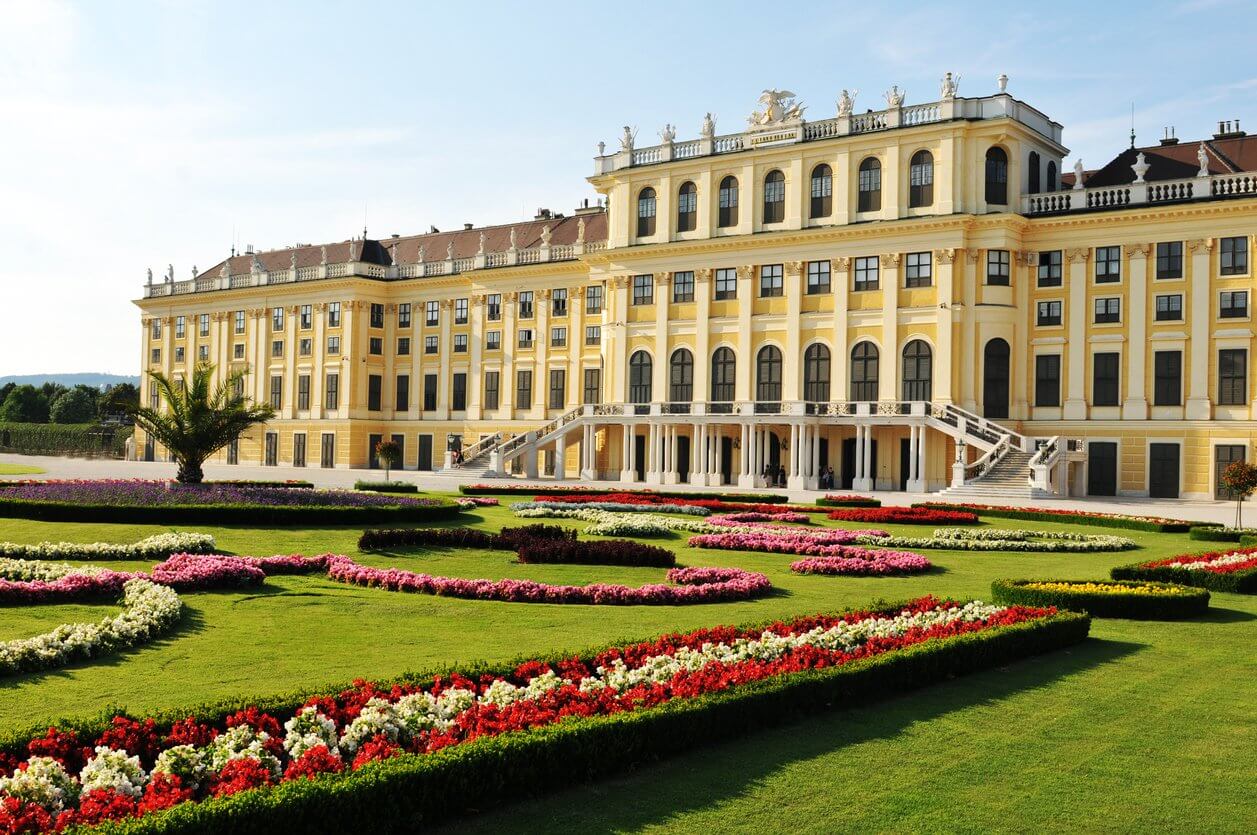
(778, 106)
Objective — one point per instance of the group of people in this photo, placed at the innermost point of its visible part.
(777, 477)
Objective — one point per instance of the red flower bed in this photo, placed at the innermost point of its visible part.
(1083, 517)
(904, 516)
(652, 499)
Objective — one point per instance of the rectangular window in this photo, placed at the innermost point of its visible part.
(726, 284)
(643, 289)
(239, 321)
(403, 346)
(493, 340)
(1108, 264)
(593, 386)
(277, 318)
(1104, 381)
(593, 298)
(377, 315)
(333, 344)
(327, 453)
(430, 344)
(1049, 313)
(299, 449)
(558, 302)
(866, 273)
(525, 304)
(375, 346)
(432, 313)
(1047, 380)
(458, 396)
(238, 350)
(683, 286)
(1169, 308)
(771, 282)
(525, 337)
(1233, 304)
(558, 337)
(307, 317)
(271, 455)
(154, 356)
(818, 278)
(429, 392)
(460, 343)
(1233, 256)
(1108, 311)
(997, 267)
(1167, 371)
(918, 270)
(402, 403)
(203, 324)
(523, 389)
(155, 329)
(333, 321)
(460, 311)
(493, 306)
(403, 315)
(1050, 271)
(305, 346)
(179, 353)
(180, 327)
(277, 391)
(1233, 377)
(593, 335)
(558, 388)
(375, 384)
(1170, 259)
(331, 399)
(277, 348)
(303, 392)
(492, 389)
(202, 353)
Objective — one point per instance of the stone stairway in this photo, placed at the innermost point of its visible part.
(1008, 479)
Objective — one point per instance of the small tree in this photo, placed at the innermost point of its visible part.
(24, 404)
(390, 454)
(1240, 480)
(198, 418)
(78, 405)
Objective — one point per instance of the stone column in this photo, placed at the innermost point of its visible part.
(1076, 309)
(814, 472)
(863, 481)
(1198, 405)
(626, 453)
(922, 434)
(792, 468)
(943, 370)
(889, 367)
(560, 456)
(1135, 406)
(541, 376)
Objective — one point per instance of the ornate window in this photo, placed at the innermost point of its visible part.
(921, 180)
(996, 176)
(864, 357)
(723, 368)
(1052, 181)
(870, 199)
(728, 199)
(640, 370)
(1033, 174)
(816, 374)
(918, 370)
(687, 207)
(646, 212)
(822, 191)
(768, 374)
(774, 197)
(681, 376)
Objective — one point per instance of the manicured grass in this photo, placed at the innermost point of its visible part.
(19, 469)
(1142, 727)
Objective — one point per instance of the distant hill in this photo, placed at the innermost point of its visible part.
(70, 380)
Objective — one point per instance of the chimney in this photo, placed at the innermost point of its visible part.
(432, 230)
(542, 214)
(466, 227)
(248, 250)
(1169, 138)
(1229, 129)
(395, 236)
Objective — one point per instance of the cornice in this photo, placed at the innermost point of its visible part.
(1156, 212)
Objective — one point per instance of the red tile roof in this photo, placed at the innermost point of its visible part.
(1176, 162)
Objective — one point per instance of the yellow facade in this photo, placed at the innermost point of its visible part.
(934, 286)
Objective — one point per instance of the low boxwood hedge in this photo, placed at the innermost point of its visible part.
(386, 486)
(1130, 523)
(533, 543)
(1183, 602)
(824, 501)
(1218, 533)
(226, 514)
(595, 552)
(1238, 582)
(541, 490)
(409, 792)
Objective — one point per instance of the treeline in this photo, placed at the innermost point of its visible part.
(54, 403)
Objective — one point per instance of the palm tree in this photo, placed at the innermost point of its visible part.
(199, 418)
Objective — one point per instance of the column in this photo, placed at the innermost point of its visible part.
(862, 479)
(652, 453)
(506, 382)
(793, 365)
(663, 297)
(1198, 407)
(475, 377)
(447, 349)
(814, 471)
(889, 366)
(913, 478)
(575, 346)
(744, 453)
(702, 341)
(840, 362)
(969, 349)
(1076, 308)
(615, 387)
(1135, 406)
(626, 453)
(541, 338)
(943, 331)
(560, 456)
(746, 357)
(922, 434)
(870, 474)
(792, 469)
(290, 359)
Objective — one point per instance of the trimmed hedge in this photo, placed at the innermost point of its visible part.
(408, 792)
(522, 490)
(1189, 603)
(596, 552)
(1238, 582)
(244, 482)
(825, 502)
(1218, 533)
(87, 439)
(386, 486)
(225, 514)
(507, 539)
(1129, 523)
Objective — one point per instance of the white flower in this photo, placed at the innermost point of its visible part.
(111, 769)
(43, 782)
(309, 729)
(154, 547)
(239, 743)
(186, 762)
(378, 716)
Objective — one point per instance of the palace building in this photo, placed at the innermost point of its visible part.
(920, 297)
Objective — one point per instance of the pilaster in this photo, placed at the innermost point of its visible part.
(1076, 403)
(745, 359)
(1135, 406)
(1198, 405)
(889, 367)
(793, 366)
(840, 362)
(943, 371)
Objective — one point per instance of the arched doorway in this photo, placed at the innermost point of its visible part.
(995, 372)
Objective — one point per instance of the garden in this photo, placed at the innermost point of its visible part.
(281, 658)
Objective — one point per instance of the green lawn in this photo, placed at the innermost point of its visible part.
(1143, 727)
(19, 469)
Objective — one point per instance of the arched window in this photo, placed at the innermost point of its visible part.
(728, 202)
(1052, 184)
(681, 376)
(918, 371)
(687, 207)
(870, 186)
(921, 180)
(768, 375)
(646, 212)
(822, 191)
(774, 197)
(995, 383)
(996, 177)
(864, 372)
(1032, 163)
(816, 374)
(723, 367)
(640, 370)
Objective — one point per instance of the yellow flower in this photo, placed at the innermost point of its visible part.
(1103, 588)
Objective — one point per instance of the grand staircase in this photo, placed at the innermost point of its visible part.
(1007, 478)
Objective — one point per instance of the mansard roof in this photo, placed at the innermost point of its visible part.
(1177, 162)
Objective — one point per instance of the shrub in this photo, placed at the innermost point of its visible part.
(1217, 533)
(1152, 524)
(87, 439)
(836, 500)
(595, 552)
(507, 539)
(1140, 600)
(386, 486)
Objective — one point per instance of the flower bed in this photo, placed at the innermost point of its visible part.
(847, 500)
(862, 562)
(1154, 524)
(659, 503)
(1233, 571)
(154, 547)
(562, 490)
(163, 502)
(598, 552)
(1218, 533)
(621, 507)
(386, 486)
(291, 484)
(532, 543)
(427, 747)
(905, 516)
(736, 519)
(995, 539)
(1139, 600)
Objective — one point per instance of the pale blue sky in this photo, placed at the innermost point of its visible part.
(141, 133)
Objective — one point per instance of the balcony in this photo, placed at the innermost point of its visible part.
(1212, 187)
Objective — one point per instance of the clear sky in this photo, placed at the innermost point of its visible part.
(136, 134)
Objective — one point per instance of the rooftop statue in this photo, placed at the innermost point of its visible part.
(1202, 157)
(668, 134)
(627, 139)
(948, 86)
(708, 130)
(1079, 173)
(894, 97)
(779, 106)
(846, 102)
